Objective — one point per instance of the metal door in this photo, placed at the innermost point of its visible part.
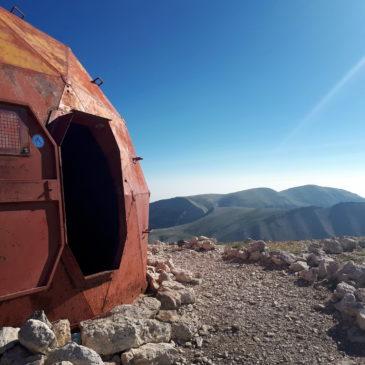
(31, 231)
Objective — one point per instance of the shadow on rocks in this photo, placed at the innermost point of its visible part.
(339, 334)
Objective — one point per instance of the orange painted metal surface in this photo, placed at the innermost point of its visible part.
(73, 199)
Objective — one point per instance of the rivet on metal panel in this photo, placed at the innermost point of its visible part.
(16, 11)
(98, 81)
(136, 159)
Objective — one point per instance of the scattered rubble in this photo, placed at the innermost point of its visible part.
(249, 303)
(200, 244)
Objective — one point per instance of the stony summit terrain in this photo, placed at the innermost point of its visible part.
(251, 302)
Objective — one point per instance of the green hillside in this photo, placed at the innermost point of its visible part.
(235, 224)
(304, 212)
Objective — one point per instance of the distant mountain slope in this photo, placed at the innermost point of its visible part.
(182, 210)
(175, 211)
(255, 198)
(234, 224)
(319, 196)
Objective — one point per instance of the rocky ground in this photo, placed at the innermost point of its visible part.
(267, 314)
(247, 303)
(260, 316)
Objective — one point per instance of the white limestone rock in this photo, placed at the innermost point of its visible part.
(8, 338)
(327, 268)
(62, 331)
(259, 246)
(37, 337)
(74, 353)
(150, 354)
(348, 305)
(184, 276)
(298, 266)
(115, 334)
(183, 330)
(310, 276)
(169, 299)
(332, 246)
(342, 289)
(144, 307)
(167, 316)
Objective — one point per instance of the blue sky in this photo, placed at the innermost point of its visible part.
(220, 96)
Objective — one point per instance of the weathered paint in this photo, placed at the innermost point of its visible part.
(43, 79)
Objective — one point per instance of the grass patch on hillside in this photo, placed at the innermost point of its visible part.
(295, 247)
(357, 256)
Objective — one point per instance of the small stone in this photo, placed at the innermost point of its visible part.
(182, 330)
(310, 275)
(327, 268)
(152, 281)
(8, 338)
(40, 315)
(183, 276)
(282, 258)
(360, 318)
(255, 256)
(360, 294)
(348, 244)
(114, 334)
(76, 337)
(62, 331)
(259, 246)
(150, 354)
(15, 355)
(208, 245)
(235, 328)
(170, 299)
(319, 307)
(199, 342)
(165, 276)
(332, 246)
(36, 336)
(298, 266)
(76, 354)
(187, 296)
(342, 289)
(348, 305)
(167, 316)
(144, 307)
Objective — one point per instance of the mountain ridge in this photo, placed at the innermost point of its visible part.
(258, 213)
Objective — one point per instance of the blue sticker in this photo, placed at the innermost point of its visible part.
(38, 140)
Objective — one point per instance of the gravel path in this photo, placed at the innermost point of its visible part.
(259, 316)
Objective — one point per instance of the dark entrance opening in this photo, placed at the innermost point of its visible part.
(91, 202)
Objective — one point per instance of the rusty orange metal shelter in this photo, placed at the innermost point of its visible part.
(73, 198)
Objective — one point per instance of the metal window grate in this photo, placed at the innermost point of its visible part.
(9, 130)
(14, 138)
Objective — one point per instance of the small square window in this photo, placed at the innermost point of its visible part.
(14, 136)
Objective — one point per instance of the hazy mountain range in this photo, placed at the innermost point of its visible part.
(302, 212)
